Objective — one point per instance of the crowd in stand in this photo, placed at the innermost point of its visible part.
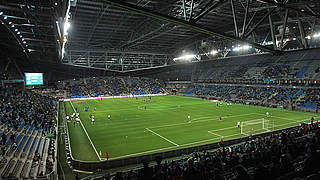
(277, 71)
(26, 115)
(264, 95)
(288, 154)
(109, 86)
(25, 107)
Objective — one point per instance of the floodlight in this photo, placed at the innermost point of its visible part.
(1, 13)
(66, 26)
(10, 22)
(16, 30)
(5, 17)
(186, 57)
(213, 52)
(316, 35)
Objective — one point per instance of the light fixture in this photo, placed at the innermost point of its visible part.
(12, 26)
(5, 17)
(10, 22)
(316, 35)
(22, 39)
(56, 4)
(186, 57)
(239, 48)
(24, 42)
(213, 52)
(19, 32)
(1, 13)
(20, 36)
(16, 30)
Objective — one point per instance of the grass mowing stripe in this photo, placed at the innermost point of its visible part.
(86, 133)
(162, 137)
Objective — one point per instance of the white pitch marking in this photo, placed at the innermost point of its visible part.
(169, 125)
(162, 137)
(86, 133)
(214, 134)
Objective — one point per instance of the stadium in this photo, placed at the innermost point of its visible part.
(160, 89)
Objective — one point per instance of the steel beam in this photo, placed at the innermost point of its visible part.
(96, 23)
(273, 36)
(250, 21)
(258, 23)
(206, 11)
(302, 34)
(285, 27)
(183, 23)
(145, 35)
(312, 11)
(184, 9)
(234, 19)
(245, 17)
(191, 10)
(313, 25)
(290, 8)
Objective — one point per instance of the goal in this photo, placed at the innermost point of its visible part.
(254, 126)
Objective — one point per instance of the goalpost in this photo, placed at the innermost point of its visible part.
(254, 126)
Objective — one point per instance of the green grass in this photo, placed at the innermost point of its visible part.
(163, 126)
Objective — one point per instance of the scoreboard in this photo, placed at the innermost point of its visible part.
(33, 79)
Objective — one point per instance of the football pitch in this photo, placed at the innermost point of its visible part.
(137, 127)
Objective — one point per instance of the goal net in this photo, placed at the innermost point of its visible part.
(254, 126)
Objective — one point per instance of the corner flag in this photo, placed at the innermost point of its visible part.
(100, 153)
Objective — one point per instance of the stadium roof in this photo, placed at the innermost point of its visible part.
(26, 28)
(124, 35)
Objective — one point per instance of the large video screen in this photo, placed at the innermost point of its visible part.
(34, 79)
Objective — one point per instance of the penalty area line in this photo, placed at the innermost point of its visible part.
(172, 147)
(162, 137)
(84, 129)
(215, 134)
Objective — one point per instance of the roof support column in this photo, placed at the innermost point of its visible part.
(191, 10)
(258, 23)
(234, 19)
(184, 9)
(303, 34)
(245, 18)
(272, 33)
(284, 28)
